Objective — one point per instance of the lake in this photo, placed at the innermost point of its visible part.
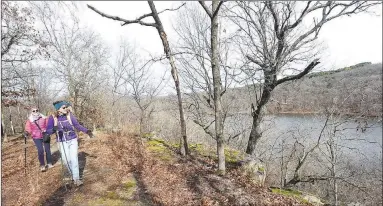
(353, 141)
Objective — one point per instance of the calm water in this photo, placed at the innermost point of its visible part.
(351, 141)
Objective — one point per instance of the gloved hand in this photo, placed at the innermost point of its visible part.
(54, 129)
(26, 134)
(46, 138)
(89, 132)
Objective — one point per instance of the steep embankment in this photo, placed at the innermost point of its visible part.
(127, 170)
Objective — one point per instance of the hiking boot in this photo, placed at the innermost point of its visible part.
(43, 169)
(50, 166)
(78, 183)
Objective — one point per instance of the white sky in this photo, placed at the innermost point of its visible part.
(349, 40)
(146, 37)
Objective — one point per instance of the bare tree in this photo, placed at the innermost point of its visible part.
(217, 83)
(77, 55)
(133, 78)
(325, 160)
(169, 55)
(274, 41)
(119, 90)
(45, 93)
(193, 52)
(20, 47)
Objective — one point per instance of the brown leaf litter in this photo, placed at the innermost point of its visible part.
(123, 171)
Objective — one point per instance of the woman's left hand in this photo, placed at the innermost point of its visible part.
(89, 132)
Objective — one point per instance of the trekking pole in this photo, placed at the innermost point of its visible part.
(62, 168)
(62, 149)
(25, 153)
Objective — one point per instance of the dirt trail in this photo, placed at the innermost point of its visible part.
(125, 171)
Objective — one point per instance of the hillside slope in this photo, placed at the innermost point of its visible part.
(127, 170)
(352, 90)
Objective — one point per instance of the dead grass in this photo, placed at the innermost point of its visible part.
(127, 171)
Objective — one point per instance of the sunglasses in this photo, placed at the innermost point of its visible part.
(35, 110)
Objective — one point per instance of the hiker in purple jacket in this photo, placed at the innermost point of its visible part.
(63, 124)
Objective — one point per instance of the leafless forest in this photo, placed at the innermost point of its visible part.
(238, 73)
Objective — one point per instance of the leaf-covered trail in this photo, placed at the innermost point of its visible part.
(127, 171)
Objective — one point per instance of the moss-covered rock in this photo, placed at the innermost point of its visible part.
(301, 196)
(289, 193)
(286, 192)
(232, 155)
(255, 170)
(160, 148)
(149, 135)
(156, 142)
(313, 200)
(201, 150)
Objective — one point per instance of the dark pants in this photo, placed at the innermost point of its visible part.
(40, 151)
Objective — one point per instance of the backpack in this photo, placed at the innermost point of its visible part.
(67, 116)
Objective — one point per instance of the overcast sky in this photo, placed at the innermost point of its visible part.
(349, 40)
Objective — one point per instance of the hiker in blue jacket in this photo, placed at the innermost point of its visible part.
(63, 123)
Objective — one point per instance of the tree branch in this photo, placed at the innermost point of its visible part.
(172, 9)
(255, 61)
(269, 5)
(206, 9)
(206, 127)
(136, 21)
(10, 43)
(299, 20)
(216, 11)
(301, 74)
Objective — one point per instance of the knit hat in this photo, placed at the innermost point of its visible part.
(59, 104)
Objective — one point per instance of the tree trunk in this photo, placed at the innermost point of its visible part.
(10, 120)
(142, 123)
(21, 119)
(174, 72)
(4, 137)
(217, 91)
(183, 141)
(335, 188)
(270, 77)
(74, 105)
(256, 133)
(333, 168)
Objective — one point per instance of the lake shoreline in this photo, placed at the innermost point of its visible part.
(316, 113)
